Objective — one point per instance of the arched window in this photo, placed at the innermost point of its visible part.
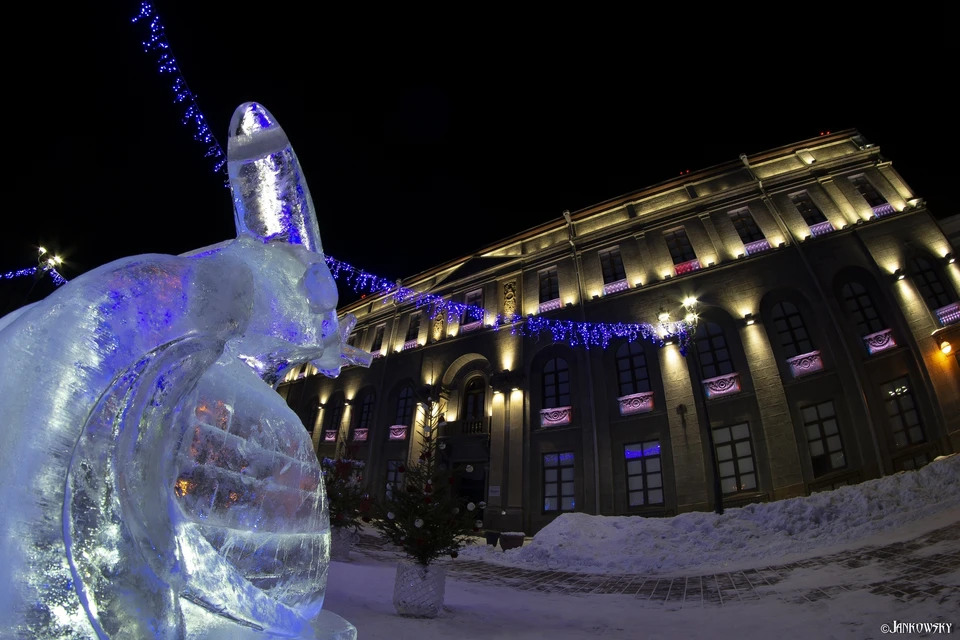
(405, 406)
(365, 415)
(935, 293)
(712, 351)
(632, 373)
(859, 305)
(311, 422)
(474, 396)
(790, 330)
(334, 413)
(556, 384)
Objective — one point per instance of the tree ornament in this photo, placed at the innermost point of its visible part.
(478, 523)
(469, 468)
(401, 469)
(454, 555)
(418, 523)
(482, 504)
(456, 510)
(442, 445)
(427, 499)
(471, 506)
(390, 515)
(420, 461)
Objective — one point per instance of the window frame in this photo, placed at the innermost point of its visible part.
(746, 225)
(414, 327)
(712, 350)
(644, 473)
(629, 352)
(787, 338)
(867, 190)
(477, 382)
(819, 420)
(926, 276)
(559, 482)
(891, 396)
(334, 411)
(853, 306)
(556, 374)
(809, 206)
(406, 403)
(471, 299)
(678, 243)
(611, 265)
(549, 283)
(735, 458)
(365, 414)
(378, 333)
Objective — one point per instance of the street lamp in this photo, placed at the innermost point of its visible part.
(692, 320)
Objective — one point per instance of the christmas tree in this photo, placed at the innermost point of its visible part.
(346, 498)
(421, 512)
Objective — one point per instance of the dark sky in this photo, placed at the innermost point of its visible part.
(426, 136)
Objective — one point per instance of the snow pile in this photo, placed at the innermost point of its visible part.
(623, 544)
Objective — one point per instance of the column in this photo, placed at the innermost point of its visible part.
(850, 214)
(498, 458)
(515, 458)
(886, 168)
(776, 422)
(713, 235)
(646, 264)
(685, 441)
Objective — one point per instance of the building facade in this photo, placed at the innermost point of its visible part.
(827, 294)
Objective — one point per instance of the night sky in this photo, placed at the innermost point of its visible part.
(425, 137)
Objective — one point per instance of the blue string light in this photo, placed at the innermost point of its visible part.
(20, 273)
(166, 63)
(584, 334)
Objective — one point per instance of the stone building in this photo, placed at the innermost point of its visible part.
(826, 293)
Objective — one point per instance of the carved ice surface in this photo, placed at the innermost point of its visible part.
(154, 485)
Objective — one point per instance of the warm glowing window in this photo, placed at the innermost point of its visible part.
(931, 287)
(632, 373)
(867, 190)
(791, 330)
(413, 331)
(679, 244)
(860, 307)
(558, 482)
(746, 226)
(735, 458)
(644, 475)
(405, 406)
(611, 263)
(823, 438)
(549, 285)
(712, 351)
(556, 384)
(811, 212)
(902, 413)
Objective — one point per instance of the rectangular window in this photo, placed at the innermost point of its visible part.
(377, 338)
(549, 285)
(867, 190)
(473, 300)
(679, 244)
(823, 438)
(735, 458)
(644, 475)
(902, 412)
(413, 331)
(612, 265)
(352, 340)
(746, 226)
(558, 482)
(811, 212)
(394, 475)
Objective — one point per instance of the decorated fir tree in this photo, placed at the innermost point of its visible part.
(347, 500)
(421, 512)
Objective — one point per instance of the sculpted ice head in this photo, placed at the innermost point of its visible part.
(168, 488)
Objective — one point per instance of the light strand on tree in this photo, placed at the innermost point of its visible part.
(167, 64)
(584, 334)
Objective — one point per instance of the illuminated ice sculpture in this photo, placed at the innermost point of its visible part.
(154, 485)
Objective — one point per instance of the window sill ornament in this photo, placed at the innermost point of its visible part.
(725, 385)
(949, 314)
(879, 341)
(805, 364)
(360, 435)
(410, 344)
(756, 247)
(883, 210)
(472, 326)
(143, 350)
(556, 417)
(687, 267)
(636, 403)
(329, 436)
(551, 305)
(398, 432)
(615, 287)
(821, 229)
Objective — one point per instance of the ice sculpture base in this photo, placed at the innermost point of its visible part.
(203, 625)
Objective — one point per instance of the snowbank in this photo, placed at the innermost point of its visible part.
(623, 544)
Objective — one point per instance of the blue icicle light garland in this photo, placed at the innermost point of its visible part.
(166, 63)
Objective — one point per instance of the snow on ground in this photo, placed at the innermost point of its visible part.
(361, 591)
(750, 536)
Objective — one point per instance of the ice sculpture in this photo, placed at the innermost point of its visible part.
(154, 485)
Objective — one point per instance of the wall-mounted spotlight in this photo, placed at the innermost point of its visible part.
(739, 256)
(899, 274)
(689, 301)
(748, 319)
(569, 304)
(781, 245)
(663, 316)
(596, 297)
(949, 258)
(515, 389)
(945, 347)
